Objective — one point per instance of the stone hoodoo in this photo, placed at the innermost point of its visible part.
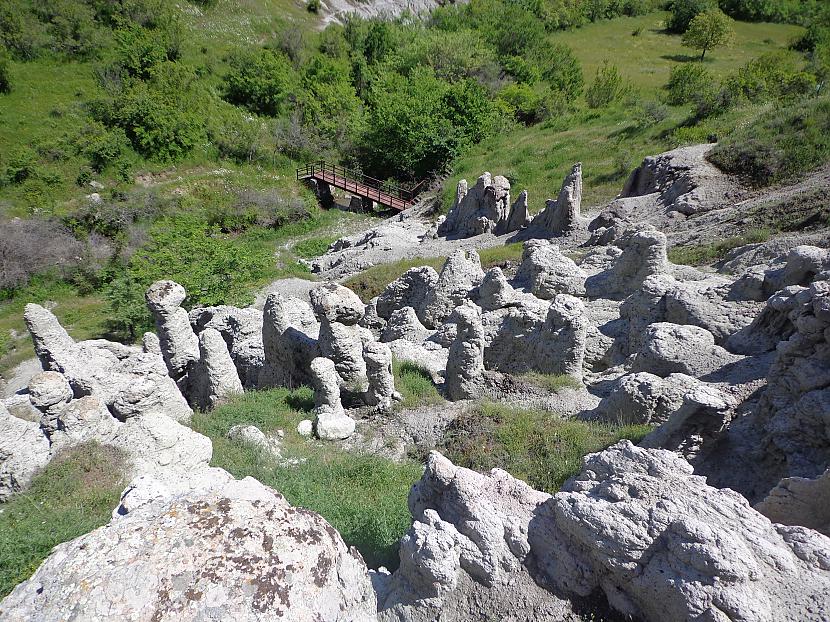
(242, 331)
(460, 274)
(643, 255)
(563, 215)
(411, 289)
(331, 421)
(220, 378)
(237, 551)
(545, 271)
(465, 365)
(289, 340)
(341, 338)
(484, 208)
(381, 392)
(179, 344)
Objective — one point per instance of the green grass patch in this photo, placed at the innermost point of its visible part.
(313, 247)
(552, 382)
(536, 446)
(372, 281)
(497, 255)
(74, 494)
(700, 254)
(362, 496)
(778, 144)
(415, 385)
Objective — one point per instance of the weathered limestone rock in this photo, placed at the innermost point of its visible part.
(381, 391)
(643, 398)
(331, 421)
(702, 416)
(339, 310)
(221, 379)
(563, 215)
(253, 436)
(408, 290)
(800, 501)
(371, 320)
(461, 273)
(24, 450)
(242, 331)
(404, 324)
(775, 323)
(519, 216)
(127, 380)
(545, 271)
(151, 344)
(495, 292)
(672, 348)
(289, 338)
(484, 208)
(644, 254)
(561, 341)
(465, 365)
(49, 392)
(179, 344)
(635, 524)
(82, 420)
(238, 551)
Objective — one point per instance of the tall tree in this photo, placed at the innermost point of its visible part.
(708, 30)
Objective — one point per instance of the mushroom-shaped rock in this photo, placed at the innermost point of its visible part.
(331, 421)
(483, 208)
(179, 344)
(336, 303)
(289, 340)
(236, 551)
(53, 345)
(465, 365)
(461, 273)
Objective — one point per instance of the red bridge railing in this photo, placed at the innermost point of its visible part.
(385, 193)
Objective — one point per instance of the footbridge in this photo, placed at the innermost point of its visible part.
(384, 193)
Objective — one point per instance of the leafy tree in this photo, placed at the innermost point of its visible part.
(328, 99)
(524, 101)
(708, 30)
(684, 11)
(264, 82)
(607, 87)
(378, 42)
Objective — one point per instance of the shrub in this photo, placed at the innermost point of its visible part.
(561, 69)
(707, 30)
(313, 247)
(264, 82)
(774, 75)
(100, 145)
(524, 101)
(22, 165)
(684, 11)
(650, 113)
(687, 82)
(415, 385)
(5, 74)
(29, 247)
(313, 6)
(607, 87)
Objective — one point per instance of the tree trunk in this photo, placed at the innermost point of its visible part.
(702, 55)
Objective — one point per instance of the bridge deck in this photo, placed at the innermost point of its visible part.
(358, 184)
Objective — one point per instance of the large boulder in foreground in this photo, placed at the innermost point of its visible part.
(635, 525)
(236, 552)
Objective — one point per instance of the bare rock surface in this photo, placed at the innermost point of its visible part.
(800, 501)
(238, 551)
(24, 450)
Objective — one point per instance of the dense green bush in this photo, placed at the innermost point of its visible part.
(682, 12)
(100, 145)
(790, 11)
(418, 123)
(772, 75)
(525, 103)
(561, 69)
(686, 83)
(608, 87)
(264, 82)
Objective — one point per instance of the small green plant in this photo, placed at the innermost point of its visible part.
(5, 75)
(313, 247)
(313, 6)
(72, 496)
(415, 385)
(608, 87)
(709, 253)
(552, 382)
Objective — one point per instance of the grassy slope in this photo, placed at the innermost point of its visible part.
(72, 496)
(362, 496)
(606, 141)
